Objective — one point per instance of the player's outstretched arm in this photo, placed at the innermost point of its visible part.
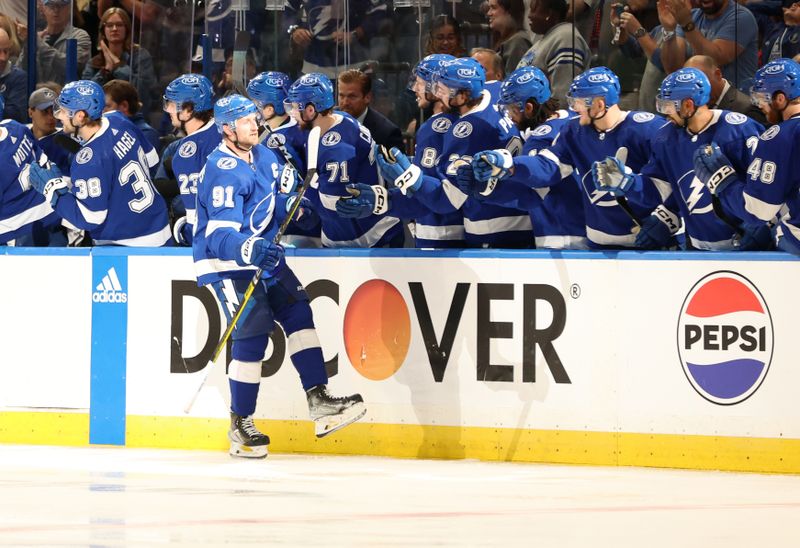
(46, 179)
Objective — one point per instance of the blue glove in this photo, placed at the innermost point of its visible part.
(713, 168)
(261, 253)
(396, 168)
(182, 232)
(364, 200)
(47, 180)
(653, 234)
(612, 175)
(289, 180)
(756, 237)
(466, 181)
(490, 167)
(305, 218)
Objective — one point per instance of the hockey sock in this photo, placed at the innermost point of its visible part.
(244, 379)
(303, 344)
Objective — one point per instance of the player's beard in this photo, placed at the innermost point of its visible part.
(774, 116)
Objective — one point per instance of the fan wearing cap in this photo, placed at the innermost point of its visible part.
(58, 146)
(51, 43)
(111, 195)
(13, 82)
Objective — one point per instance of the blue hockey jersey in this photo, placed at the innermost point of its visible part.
(56, 153)
(236, 200)
(293, 139)
(671, 172)
(188, 162)
(575, 149)
(345, 156)
(437, 230)
(112, 196)
(19, 208)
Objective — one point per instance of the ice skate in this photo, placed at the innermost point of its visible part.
(246, 440)
(330, 413)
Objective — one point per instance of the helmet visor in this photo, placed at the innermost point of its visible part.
(667, 106)
(760, 99)
(579, 104)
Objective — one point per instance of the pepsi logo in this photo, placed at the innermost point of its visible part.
(725, 338)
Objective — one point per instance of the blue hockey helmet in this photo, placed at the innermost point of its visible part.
(685, 83)
(429, 66)
(270, 88)
(595, 82)
(463, 74)
(190, 88)
(83, 95)
(780, 75)
(230, 108)
(313, 88)
(523, 84)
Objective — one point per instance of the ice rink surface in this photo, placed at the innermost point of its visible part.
(55, 496)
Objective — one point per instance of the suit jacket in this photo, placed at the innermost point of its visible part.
(736, 101)
(383, 131)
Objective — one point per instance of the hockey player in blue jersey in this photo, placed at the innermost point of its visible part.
(20, 206)
(459, 85)
(111, 195)
(282, 134)
(601, 130)
(345, 156)
(766, 193)
(556, 212)
(238, 211)
(433, 230)
(188, 101)
(683, 98)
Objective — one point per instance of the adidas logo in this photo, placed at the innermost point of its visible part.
(109, 290)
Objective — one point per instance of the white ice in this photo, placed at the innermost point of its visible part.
(52, 496)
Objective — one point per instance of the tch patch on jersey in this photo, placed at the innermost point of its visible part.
(462, 129)
(84, 155)
(331, 138)
(188, 149)
(226, 163)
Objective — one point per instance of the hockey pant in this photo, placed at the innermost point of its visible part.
(280, 298)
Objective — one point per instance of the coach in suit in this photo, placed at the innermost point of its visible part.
(724, 95)
(355, 94)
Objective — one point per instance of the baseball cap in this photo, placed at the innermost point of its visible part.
(42, 98)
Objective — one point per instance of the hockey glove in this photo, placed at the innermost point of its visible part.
(398, 169)
(466, 181)
(290, 179)
(713, 168)
(657, 230)
(182, 232)
(364, 201)
(46, 179)
(305, 218)
(261, 253)
(756, 237)
(492, 166)
(612, 175)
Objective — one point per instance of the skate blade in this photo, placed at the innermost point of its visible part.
(330, 424)
(256, 452)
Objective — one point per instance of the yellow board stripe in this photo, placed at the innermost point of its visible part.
(441, 442)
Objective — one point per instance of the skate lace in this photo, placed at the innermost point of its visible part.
(249, 427)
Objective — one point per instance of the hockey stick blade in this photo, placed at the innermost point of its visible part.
(310, 179)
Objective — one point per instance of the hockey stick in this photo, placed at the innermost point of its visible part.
(239, 66)
(310, 180)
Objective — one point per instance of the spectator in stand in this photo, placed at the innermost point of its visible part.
(354, 89)
(721, 29)
(13, 82)
(783, 40)
(445, 37)
(119, 58)
(122, 97)
(7, 24)
(511, 41)
(561, 53)
(723, 95)
(51, 43)
(492, 63)
(58, 146)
